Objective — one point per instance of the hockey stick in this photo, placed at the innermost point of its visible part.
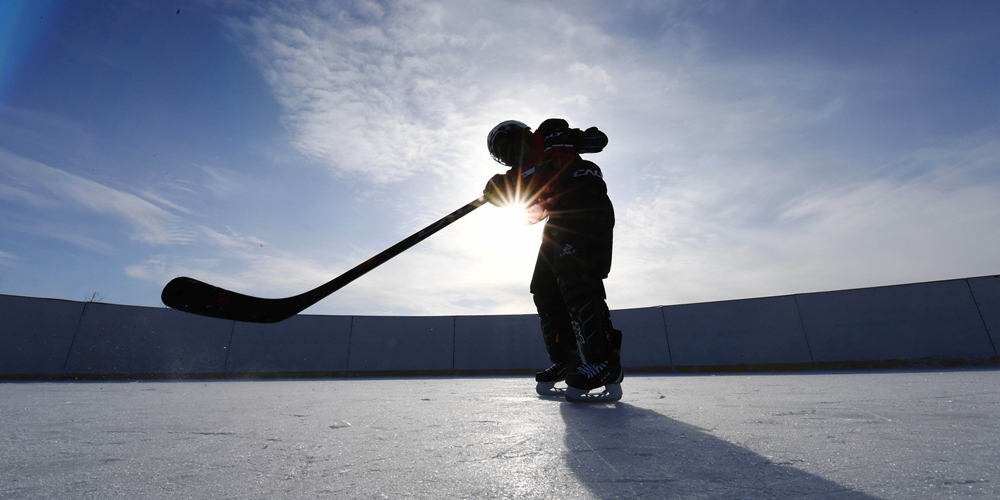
(193, 296)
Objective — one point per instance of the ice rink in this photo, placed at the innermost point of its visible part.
(878, 434)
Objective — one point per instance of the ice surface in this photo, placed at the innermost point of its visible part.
(886, 434)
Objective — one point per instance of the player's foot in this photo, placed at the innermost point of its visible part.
(548, 378)
(607, 374)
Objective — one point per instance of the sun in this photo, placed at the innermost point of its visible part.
(514, 215)
(509, 231)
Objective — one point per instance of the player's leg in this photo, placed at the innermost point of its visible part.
(581, 266)
(560, 343)
(599, 341)
(557, 331)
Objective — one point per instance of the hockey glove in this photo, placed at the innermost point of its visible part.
(495, 190)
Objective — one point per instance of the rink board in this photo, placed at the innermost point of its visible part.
(499, 343)
(986, 291)
(310, 344)
(405, 344)
(36, 334)
(927, 320)
(945, 322)
(738, 332)
(124, 340)
(644, 339)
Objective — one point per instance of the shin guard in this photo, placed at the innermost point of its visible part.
(557, 331)
(591, 320)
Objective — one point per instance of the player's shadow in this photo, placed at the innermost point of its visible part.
(621, 451)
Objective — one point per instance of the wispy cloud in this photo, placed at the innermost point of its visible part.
(231, 240)
(713, 242)
(361, 86)
(26, 181)
(157, 199)
(220, 182)
(595, 75)
(44, 202)
(382, 92)
(66, 229)
(7, 259)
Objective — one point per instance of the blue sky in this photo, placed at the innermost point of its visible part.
(756, 148)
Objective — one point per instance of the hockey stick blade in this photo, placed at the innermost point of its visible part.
(197, 297)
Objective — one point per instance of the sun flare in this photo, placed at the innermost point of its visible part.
(509, 232)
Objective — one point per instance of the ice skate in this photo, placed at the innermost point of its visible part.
(548, 378)
(583, 380)
(601, 346)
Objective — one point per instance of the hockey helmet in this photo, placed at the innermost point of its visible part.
(508, 142)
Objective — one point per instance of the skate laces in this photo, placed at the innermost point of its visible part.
(556, 367)
(592, 370)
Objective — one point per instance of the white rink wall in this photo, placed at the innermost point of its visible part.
(954, 322)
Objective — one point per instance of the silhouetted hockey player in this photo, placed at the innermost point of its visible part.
(548, 175)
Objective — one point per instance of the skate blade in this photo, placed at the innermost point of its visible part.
(550, 389)
(611, 393)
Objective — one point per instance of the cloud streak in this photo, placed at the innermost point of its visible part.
(28, 182)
